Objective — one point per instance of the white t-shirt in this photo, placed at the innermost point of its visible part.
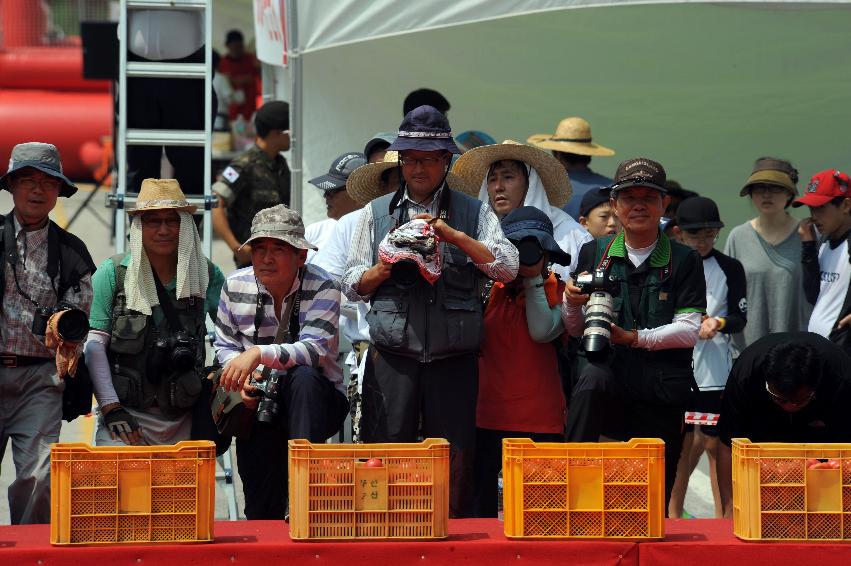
(835, 274)
(318, 234)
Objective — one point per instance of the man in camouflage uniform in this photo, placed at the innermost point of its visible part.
(257, 179)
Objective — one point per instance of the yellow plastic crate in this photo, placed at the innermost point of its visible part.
(132, 494)
(584, 489)
(336, 493)
(777, 497)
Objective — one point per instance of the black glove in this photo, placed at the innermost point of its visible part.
(120, 423)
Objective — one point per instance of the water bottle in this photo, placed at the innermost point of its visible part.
(499, 509)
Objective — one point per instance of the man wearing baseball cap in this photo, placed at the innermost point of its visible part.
(302, 347)
(43, 267)
(640, 385)
(827, 268)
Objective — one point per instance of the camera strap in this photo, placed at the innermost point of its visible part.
(286, 331)
(167, 305)
(10, 255)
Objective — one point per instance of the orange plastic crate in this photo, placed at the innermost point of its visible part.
(776, 496)
(335, 494)
(584, 490)
(132, 494)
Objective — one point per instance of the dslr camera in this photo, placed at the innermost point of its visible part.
(530, 251)
(405, 273)
(270, 392)
(175, 352)
(599, 312)
(73, 326)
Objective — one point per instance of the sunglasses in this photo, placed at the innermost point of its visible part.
(783, 401)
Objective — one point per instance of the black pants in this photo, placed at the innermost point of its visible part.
(602, 404)
(311, 408)
(170, 104)
(401, 394)
(489, 463)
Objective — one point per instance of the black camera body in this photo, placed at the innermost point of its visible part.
(73, 326)
(175, 352)
(269, 390)
(599, 312)
(529, 250)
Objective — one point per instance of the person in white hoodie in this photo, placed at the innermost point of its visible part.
(510, 175)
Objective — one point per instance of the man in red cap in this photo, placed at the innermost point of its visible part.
(827, 271)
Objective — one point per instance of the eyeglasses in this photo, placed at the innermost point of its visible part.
(30, 183)
(767, 189)
(155, 223)
(695, 237)
(784, 402)
(424, 161)
(284, 132)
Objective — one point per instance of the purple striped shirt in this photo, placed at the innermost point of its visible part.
(318, 316)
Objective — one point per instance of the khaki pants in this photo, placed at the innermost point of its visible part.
(156, 428)
(31, 416)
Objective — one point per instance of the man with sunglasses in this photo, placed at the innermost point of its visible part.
(421, 373)
(257, 179)
(785, 387)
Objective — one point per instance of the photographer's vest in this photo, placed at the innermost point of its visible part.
(657, 305)
(429, 322)
(132, 353)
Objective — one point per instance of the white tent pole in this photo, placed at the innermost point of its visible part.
(296, 145)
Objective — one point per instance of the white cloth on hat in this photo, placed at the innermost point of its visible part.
(192, 274)
(567, 232)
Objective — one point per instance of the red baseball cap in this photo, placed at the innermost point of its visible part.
(824, 187)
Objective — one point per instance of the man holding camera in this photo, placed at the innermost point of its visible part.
(421, 375)
(45, 270)
(284, 315)
(145, 350)
(639, 378)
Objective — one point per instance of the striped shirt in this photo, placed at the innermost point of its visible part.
(318, 317)
(489, 232)
(17, 313)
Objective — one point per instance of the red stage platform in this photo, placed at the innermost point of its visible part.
(688, 542)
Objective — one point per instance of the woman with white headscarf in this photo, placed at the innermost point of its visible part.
(510, 175)
(145, 351)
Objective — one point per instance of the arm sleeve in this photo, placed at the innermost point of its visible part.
(317, 339)
(737, 303)
(574, 316)
(214, 292)
(227, 342)
(506, 257)
(360, 257)
(234, 180)
(681, 333)
(98, 364)
(544, 322)
(810, 268)
(690, 285)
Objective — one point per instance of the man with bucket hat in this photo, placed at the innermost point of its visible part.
(146, 348)
(572, 145)
(283, 314)
(422, 366)
(45, 269)
(639, 379)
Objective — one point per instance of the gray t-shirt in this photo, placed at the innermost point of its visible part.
(776, 300)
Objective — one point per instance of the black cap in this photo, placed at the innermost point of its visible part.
(340, 170)
(425, 96)
(275, 115)
(639, 172)
(696, 213)
(234, 35)
(592, 199)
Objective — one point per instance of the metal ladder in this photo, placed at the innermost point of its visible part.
(128, 137)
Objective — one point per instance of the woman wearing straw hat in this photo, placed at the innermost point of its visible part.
(145, 350)
(510, 175)
(770, 249)
(572, 145)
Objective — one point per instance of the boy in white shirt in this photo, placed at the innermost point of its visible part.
(827, 267)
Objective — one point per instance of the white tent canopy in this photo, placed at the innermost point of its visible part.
(703, 88)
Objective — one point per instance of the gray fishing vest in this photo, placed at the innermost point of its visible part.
(430, 322)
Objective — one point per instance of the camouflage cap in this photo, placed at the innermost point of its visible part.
(41, 156)
(280, 223)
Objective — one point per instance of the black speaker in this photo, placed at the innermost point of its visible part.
(100, 50)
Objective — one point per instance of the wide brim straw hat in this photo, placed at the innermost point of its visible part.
(364, 184)
(161, 194)
(473, 166)
(573, 135)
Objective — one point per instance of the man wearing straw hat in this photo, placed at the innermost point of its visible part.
(572, 145)
(422, 366)
(145, 350)
(43, 268)
(284, 315)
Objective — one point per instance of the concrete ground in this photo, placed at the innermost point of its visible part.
(93, 226)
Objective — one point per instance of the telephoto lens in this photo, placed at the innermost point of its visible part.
(405, 273)
(72, 325)
(599, 316)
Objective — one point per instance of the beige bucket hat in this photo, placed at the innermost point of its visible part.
(474, 164)
(161, 194)
(364, 184)
(573, 135)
